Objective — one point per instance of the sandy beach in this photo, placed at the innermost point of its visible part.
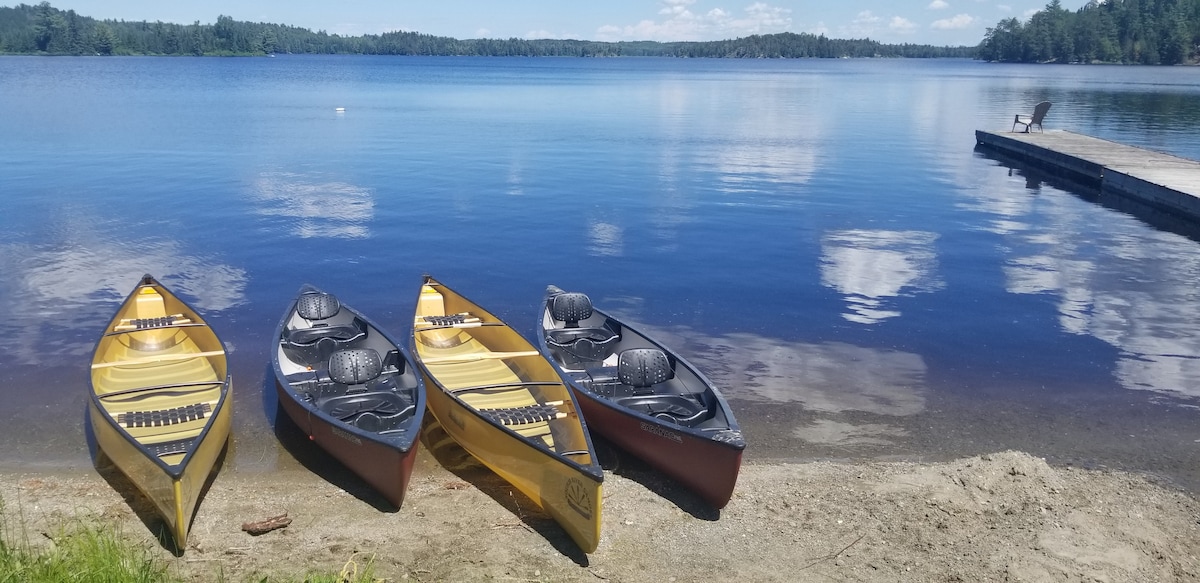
(1005, 516)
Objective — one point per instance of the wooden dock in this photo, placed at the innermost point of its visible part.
(1160, 180)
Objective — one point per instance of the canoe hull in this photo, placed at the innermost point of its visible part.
(707, 467)
(480, 367)
(567, 495)
(680, 423)
(160, 405)
(384, 467)
(382, 453)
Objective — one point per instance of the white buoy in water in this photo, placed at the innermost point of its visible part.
(340, 110)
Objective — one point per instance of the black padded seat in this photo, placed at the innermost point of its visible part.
(373, 411)
(581, 347)
(576, 347)
(681, 410)
(317, 306)
(570, 308)
(309, 346)
(642, 368)
(355, 366)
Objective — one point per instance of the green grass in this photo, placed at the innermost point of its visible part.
(93, 552)
(76, 552)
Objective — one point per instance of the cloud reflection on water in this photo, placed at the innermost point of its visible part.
(77, 286)
(828, 379)
(319, 208)
(868, 266)
(1115, 279)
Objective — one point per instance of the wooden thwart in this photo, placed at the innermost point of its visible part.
(477, 357)
(161, 358)
(472, 388)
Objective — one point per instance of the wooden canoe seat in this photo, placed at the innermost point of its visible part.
(164, 417)
(132, 324)
(538, 413)
(452, 319)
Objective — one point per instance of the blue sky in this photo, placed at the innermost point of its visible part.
(936, 22)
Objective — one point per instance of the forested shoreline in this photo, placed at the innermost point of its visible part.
(1144, 32)
(44, 30)
(1149, 32)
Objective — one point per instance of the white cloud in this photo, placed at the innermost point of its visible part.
(483, 33)
(902, 25)
(1004, 7)
(938, 5)
(863, 25)
(958, 22)
(680, 23)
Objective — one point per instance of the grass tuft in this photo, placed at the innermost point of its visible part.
(93, 552)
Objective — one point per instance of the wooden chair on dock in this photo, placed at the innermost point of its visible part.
(1039, 113)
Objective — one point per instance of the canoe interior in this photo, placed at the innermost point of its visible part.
(161, 382)
(588, 354)
(384, 405)
(467, 361)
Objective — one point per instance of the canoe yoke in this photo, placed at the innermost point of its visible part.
(360, 388)
(644, 381)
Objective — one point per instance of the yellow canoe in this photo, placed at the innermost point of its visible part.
(504, 403)
(160, 402)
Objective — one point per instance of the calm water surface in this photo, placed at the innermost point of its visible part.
(821, 237)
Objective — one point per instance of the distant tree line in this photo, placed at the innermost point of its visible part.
(1146, 32)
(43, 29)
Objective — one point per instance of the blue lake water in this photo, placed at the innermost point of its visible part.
(819, 236)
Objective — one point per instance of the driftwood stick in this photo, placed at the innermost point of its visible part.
(265, 526)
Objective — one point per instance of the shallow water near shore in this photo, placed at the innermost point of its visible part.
(820, 237)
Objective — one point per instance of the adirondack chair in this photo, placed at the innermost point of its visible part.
(1039, 113)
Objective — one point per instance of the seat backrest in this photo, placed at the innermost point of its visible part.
(317, 306)
(570, 308)
(354, 366)
(1039, 112)
(643, 367)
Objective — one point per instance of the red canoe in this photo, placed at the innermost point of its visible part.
(642, 397)
(351, 388)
